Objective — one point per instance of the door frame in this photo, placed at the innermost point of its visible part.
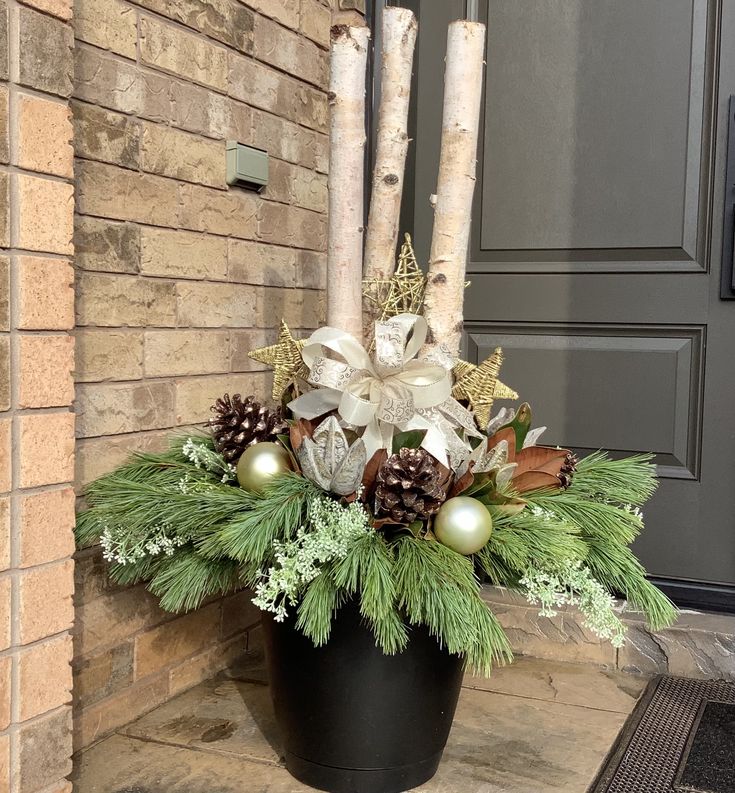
(685, 593)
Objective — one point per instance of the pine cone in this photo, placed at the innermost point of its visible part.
(409, 487)
(569, 466)
(240, 423)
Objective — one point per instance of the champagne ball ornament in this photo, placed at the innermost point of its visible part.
(259, 463)
(463, 524)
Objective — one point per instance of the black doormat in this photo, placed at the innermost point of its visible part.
(679, 739)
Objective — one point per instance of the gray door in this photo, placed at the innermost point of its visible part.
(596, 250)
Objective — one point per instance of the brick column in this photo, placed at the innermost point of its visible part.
(36, 392)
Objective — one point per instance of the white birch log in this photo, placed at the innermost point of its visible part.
(444, 300)
(399, 40)
(346, 177)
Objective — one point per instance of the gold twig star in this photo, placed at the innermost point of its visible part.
(480, 386)
(403, 292)
(285, 358)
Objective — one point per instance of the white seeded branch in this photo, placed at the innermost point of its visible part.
(346, 177)
(444, 301)
(399, 40)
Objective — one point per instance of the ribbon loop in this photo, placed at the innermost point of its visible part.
(395, 391)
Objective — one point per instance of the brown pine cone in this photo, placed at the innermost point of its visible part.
(239, 423)
(569, 466)
(409, 487)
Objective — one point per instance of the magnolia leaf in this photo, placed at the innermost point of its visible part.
(504, 416)
(535, 480)
(520, 424)
(489, 459)
(300, 429)
(410, 439)
(511, 507)
(463, 482)
(370, 474)
(505, 474)
(536, 458)
(348, 475)
(508, 435)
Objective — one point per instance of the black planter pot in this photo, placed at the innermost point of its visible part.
(354, 720)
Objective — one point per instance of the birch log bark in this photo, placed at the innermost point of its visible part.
(444, 300)
(346, 177)
(399, 39)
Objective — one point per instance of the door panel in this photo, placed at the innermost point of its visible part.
(595, 252)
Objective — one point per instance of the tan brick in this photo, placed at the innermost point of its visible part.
(101, 134)
(181, 254)
(200, 110)
(309, 189)
(5, 686)
(109, 24)
(46, 527)
(46, 214)
(205, 665)
(44, 674)
(195, 396)
(103, 674)
(284, 11)
(3, 49)
(45, 601)
(311, 270)
(179, 155)
(45, 372)
(243, 341)
(224, 20)
(45, 49)
(108, 621)
(120, 194)
(105, 245)
(255, 263)
(238, 614)
(97, 456)
(287, 225)
(288, 141)
(315, 21)
(4, 210)
(184, 54)
(265, 88)
(112, 301)
(96, 721)
(46, 299)
(45, 134)
(4, 126)
(108, 355)
(174, 641)
(91, 571)
(300, 308)
(4, 293)
(181, 352)
(116, 408)
(290, 52)
(5, 455)
(217, 211)
(45, 751)
(5, 612)
(209, 305)
(4, 763)
(4, 372)
(4, 534)
(116, 84)
(46, 444)
(57, 8)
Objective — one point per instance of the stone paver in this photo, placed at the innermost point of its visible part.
(535, 727)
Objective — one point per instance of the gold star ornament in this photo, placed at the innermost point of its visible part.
(403, 292)
(480, 386)
(285, 358)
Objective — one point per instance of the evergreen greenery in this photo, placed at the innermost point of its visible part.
(219, 537)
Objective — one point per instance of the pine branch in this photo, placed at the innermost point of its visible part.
(318, 606)
(184, 580)
(631, 480)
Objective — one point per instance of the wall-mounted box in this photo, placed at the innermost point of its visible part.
(246, 166)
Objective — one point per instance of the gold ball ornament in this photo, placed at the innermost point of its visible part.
(261, 462)
(463, 524)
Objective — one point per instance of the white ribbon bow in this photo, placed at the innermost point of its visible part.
(392, 392)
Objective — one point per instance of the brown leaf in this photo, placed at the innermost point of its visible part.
(506, 434)
(371, 472)
(540, 458)
(301, 429)
(511, 507)
(464, 481)
(535, 480)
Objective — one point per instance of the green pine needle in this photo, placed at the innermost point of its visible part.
(318, 607)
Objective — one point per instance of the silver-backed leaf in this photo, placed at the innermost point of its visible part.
(349, 473)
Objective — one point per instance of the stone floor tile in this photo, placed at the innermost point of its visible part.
(570, 684)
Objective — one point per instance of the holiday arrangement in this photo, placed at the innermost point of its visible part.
(381, 475)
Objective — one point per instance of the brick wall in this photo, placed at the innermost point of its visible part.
(178, 276)
(36, 391)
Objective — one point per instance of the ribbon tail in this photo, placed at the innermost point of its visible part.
(315, 403)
